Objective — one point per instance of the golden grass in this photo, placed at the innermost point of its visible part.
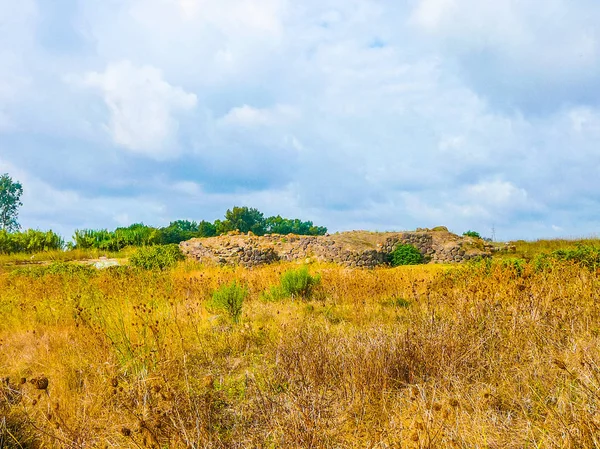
(411, 357)
(60, 256)
(529, 249)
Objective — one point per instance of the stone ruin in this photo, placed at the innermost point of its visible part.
(351, 249)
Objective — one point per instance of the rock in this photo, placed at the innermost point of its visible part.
(350, 249)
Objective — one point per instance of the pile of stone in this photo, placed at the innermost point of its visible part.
(351, 249)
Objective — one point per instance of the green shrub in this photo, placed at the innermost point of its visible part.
(294, 284)
(230, 298)
(29, 241)
(298, 283)
(585, 255)
(542, 262)
(156, 257)
(516, 264)
(137, 234)
(472, 234)
(406, 255)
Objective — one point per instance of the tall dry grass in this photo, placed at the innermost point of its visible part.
(413, 357)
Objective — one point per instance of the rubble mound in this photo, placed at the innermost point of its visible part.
(351, 249)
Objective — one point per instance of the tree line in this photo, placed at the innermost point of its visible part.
(241, 219)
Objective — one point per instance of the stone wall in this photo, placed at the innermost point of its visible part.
(351, 249)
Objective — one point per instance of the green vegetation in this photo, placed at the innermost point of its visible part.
(135, 235)
(279, 225)
(299, 283)
(181, 230)
(406, 255)
(156, 257)
(584, 255)
(230, 298)
(10, 201)
(472, 234)
(530, 250)
(238, 219)
(30, 241)
(244, 219)
(293, 283)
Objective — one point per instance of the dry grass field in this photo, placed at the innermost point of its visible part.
(479, 356)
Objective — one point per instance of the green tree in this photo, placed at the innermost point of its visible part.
(10, 201)
(472, 234)
(206, 229)
(279, 225)
(179, 231)
(243, 219)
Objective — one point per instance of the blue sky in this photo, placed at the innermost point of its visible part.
(355, 114)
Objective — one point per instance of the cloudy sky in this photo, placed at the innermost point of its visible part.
(356, 114)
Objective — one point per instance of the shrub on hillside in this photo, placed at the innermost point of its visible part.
(406, 255)
(156, 257)
(230, 298)
(472, 234)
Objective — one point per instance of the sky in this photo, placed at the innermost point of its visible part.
(355, 114)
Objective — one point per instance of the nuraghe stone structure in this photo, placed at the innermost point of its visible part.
(351, 249)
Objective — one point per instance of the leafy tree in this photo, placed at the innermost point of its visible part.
(10, 201)
(179, 231)
(206, 229)
(472, 234)
(279, 225)
(243, 219)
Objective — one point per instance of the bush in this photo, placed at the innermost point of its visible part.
(30, 241)
(585, 255)
(406, 255)
(515, 264)
(298, 283)
(137, 234)
(156, 257)
(230, 298)
(472, 234)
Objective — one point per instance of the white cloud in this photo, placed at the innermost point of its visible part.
(142, 107)
(532, 55)
(585, 120)
(229, 15)
(196, 42)
(356, 112)
(187, 188)
(17, 39)
(248, 116)
(500, 194)
(63, 210)
(430, 13)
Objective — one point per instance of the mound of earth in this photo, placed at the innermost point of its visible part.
(352, 249)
